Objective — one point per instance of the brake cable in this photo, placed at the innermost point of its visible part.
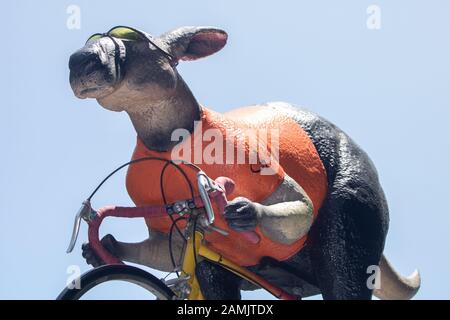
(141, 160)
(174, 223)
(161, 186)
(167, 163)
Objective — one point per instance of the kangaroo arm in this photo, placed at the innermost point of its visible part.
(287, 215)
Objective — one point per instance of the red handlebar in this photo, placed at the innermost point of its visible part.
(226, 184)
(123, 212)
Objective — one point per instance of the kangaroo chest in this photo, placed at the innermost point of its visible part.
(255, 150)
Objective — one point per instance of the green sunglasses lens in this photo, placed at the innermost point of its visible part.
(124, 33)
(118, 32)
(94, 37)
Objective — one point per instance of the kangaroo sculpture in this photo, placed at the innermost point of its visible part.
(321, 213)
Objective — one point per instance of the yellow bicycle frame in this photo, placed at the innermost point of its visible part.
(193, 252)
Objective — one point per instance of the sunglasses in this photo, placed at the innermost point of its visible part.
(131, 34)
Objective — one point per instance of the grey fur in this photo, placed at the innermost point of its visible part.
(287, 214)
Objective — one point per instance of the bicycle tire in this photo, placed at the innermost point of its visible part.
(119, 272)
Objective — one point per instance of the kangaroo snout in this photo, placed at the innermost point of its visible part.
(93, 70)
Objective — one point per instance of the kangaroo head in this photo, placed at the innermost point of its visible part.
(127, 68)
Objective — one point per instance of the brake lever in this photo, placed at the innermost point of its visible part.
(205, 186)
(83, 213)
(204, 183)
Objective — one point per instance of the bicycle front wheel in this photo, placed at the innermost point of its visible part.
(119, 272)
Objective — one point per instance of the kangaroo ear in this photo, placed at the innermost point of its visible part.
(192, 43)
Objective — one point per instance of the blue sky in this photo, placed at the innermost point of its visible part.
(387, 88)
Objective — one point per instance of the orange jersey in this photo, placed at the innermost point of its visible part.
(297, 157)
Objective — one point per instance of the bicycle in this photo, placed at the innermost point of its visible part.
(198, 212)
